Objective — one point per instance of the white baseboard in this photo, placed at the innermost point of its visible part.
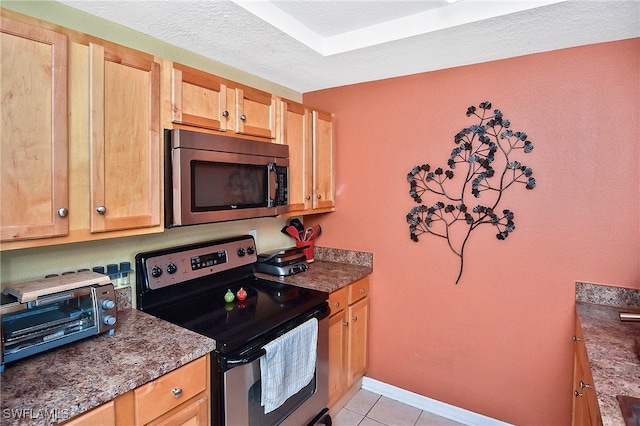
(441, 409)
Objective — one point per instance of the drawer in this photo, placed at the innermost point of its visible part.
(338, 300)
(358, 290)
(167, 392)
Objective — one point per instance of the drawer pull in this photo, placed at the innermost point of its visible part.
(336, 304)
(576, 339)
(177, 392)
(362, 290)
(577, 394)
(584, 385)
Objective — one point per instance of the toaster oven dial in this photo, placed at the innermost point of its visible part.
(241, 252)
(172, 268)
(251, 250)
(108, 304)
(109, 319)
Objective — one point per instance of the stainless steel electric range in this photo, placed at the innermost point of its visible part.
(210, 288)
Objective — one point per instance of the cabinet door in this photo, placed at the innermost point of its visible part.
(357, 357)
(171, 390)
(34, 195)
(255, 113)
(125, 139)
(198, 99)
(323, 161)
(194, 413)
(337, 356)
(104, 415)
(297, 135)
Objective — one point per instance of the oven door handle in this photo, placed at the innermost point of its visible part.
(231, 362)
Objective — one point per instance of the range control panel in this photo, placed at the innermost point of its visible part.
(172, 266)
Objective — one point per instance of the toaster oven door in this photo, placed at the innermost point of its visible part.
(51, 321)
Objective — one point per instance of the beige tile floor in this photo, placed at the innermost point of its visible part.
(370, 409)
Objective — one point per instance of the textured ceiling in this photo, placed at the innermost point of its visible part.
(308, 45)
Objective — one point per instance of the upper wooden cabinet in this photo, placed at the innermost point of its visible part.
(125, 142)
(296, 133)
(255, 113)
(81, 137)
(198, 99)
(309, 134)
(34, 199)
(324, 151)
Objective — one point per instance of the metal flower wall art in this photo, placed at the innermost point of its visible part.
(481, 168)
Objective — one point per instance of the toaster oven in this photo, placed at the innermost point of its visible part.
(44, 314)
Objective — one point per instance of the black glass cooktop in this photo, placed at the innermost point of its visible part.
(267, 305)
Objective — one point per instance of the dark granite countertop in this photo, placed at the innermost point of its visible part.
(323, 275)
(61, 383)
(331, 270)
(614, 364)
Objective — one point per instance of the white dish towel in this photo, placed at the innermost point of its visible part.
(288, 365)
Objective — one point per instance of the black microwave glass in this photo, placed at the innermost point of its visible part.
(237, 186)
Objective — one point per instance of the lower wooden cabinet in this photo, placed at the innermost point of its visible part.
(180, 397)
(586, 410)
(348, 337)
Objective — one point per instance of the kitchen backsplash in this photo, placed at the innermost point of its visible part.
(600, 294)
(350, 257)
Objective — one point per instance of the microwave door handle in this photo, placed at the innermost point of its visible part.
(271, 185)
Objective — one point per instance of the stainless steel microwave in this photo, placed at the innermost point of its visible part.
(215, 178)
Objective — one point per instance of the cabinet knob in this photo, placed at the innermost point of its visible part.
(101, 209)
(336, 304)
(577, 394)
(583, 385)
(354, 318)
(63, 212)
(345, 323)
(308, 197)
(361, 290)
(576, 339)
(225, 113)
(243, 117)
(318, 196)
(177, 392)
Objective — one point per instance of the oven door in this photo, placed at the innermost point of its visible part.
(242, 390)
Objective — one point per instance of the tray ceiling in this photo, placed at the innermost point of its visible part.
(308, 45)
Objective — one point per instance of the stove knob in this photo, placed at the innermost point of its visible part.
(241, 252)
(251, 249)
(172, 268)
(107, 304)
(156, 271)
(109, 319)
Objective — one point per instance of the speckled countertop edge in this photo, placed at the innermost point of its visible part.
(74, 378)
(610, 344)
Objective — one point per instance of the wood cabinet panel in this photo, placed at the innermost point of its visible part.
(195, 413)
(125, 139)
(34, 131)
(296, 133)
(323, 161)
(198, 99)
(348, 338)
(169, 391)
(104, 415)
(585, 409)
(357, 353)
(255, 113)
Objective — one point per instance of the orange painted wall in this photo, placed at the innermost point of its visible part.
(499, 342)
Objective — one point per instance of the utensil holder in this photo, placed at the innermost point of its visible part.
(307, 249)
